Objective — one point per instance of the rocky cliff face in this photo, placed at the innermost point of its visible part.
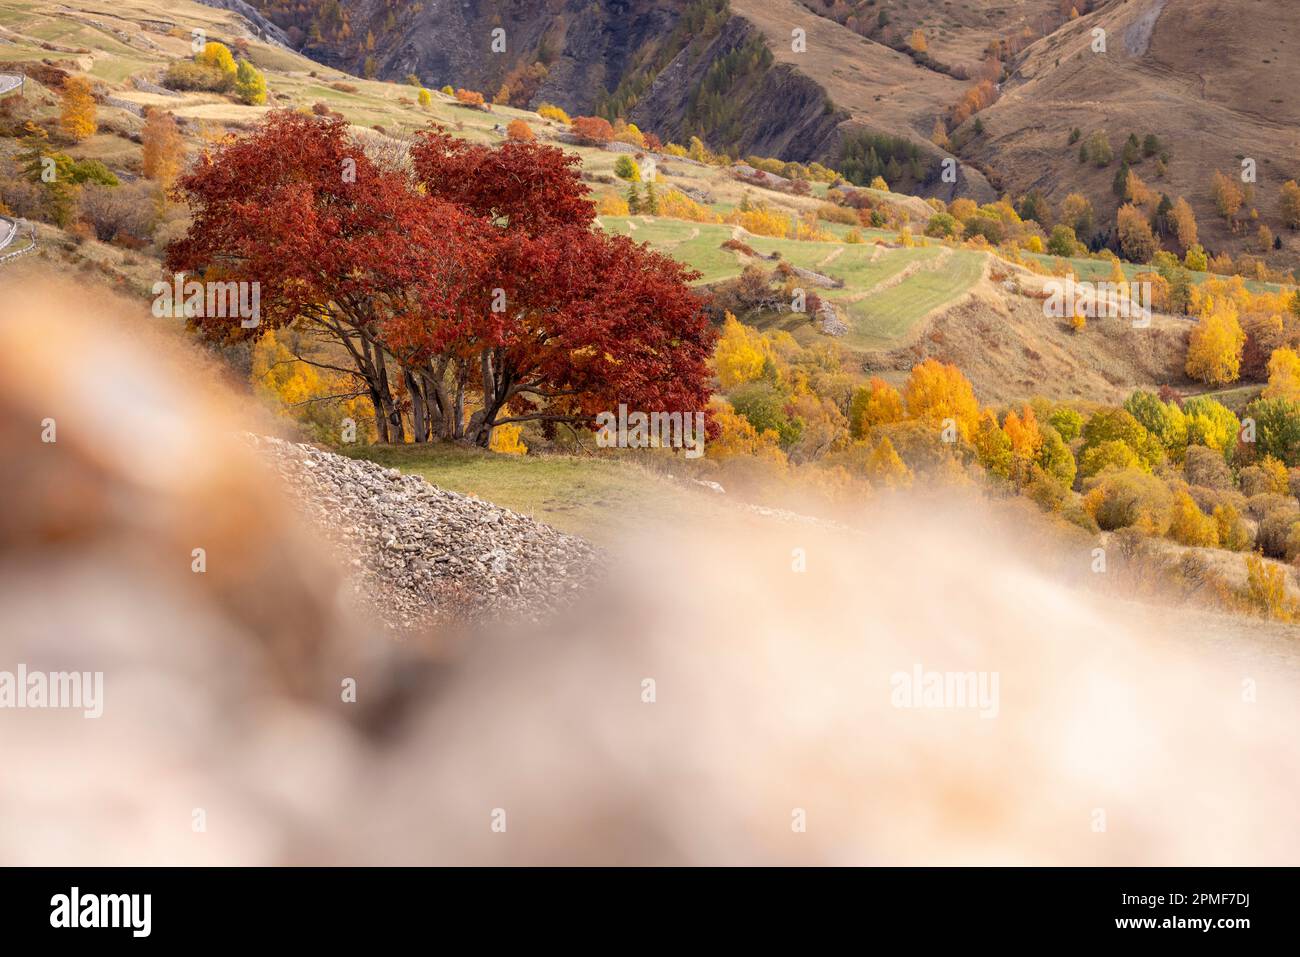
(782, 112)
(262, 28)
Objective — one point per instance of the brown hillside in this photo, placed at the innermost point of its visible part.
(1211, 78)
(882, 89)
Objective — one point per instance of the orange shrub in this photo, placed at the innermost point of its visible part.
(593, 129)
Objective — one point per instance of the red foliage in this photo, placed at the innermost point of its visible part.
(528, 185)
(492, 278)
(589, 320)
(333, 239)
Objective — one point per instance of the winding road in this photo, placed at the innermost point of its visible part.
(11, 231)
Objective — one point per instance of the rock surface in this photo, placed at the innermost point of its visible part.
(419, 554)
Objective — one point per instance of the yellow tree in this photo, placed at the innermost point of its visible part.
(1227, 195)
(1184, 223)
(1078, 214)
(740, 355)
(917, 41)
(1135, 237)
(939, 136)
(877, 404)
(1214, 351)
(737, 437)
(1191, 526)
(164, 150)
(1026, 442)
(992, 447)
(77, 115)
(1139, 193)
(217, 55)
(886, 467)
(250, 84)
(1283, 375)
(1291, 204)
(939, 395)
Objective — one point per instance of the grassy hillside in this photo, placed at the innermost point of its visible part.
(603, 500)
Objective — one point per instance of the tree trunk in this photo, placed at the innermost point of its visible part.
(419, 406)
(381, 420)
(395, 431)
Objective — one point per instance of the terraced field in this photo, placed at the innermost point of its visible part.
(886, 291)
(883, 318)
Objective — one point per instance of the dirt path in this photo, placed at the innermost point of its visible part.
(835, 254)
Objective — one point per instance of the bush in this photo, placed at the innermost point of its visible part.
(520, 131)
(680, 206)
(837, 214)
(764, 406)
(1261, 505)
(470, 98)
(1190, 526)
(1276, 530)
(625, 168)
(593, 130)
(763, 222)
(1266, 590)
(1233, 533)
(250, 84)
(120, 211)
(1130, 498)
(186, 75)
(612, 205)
(1063, 242)
(549, 111)
(942, 226)
(1262, 479)
(1206, 467)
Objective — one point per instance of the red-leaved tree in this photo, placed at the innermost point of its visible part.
(584, 322)
(522, 186)
(481, 283)
(339, 245)
(576, 321)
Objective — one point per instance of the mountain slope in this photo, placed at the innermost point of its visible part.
(1210, 78)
